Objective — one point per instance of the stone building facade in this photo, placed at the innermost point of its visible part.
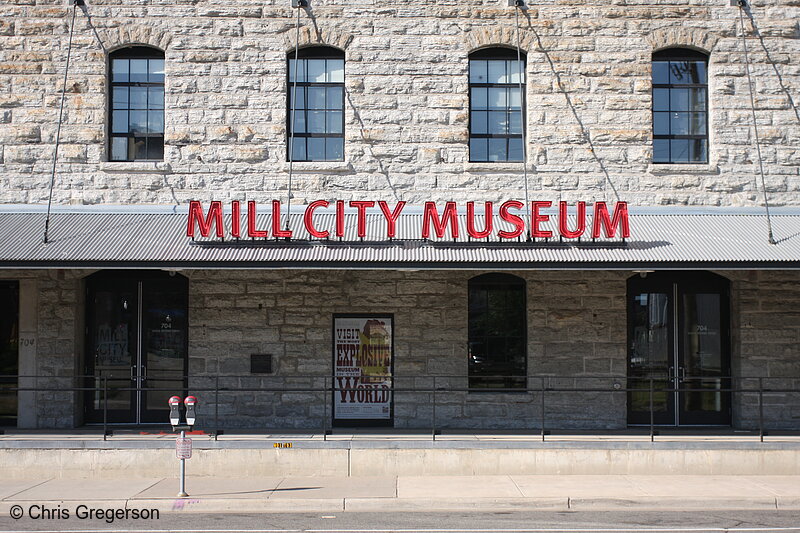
(589, 137)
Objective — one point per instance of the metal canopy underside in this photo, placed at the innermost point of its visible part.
(155, 237)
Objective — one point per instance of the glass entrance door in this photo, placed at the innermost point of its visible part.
(9, 351)
(678, 344)
(136, 345)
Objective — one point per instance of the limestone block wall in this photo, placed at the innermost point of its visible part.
(768, 339)
(406, 124)
(576, 327)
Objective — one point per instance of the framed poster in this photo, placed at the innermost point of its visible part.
(363, 361)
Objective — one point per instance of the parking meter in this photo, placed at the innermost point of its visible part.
(191, 403)
(175, 410)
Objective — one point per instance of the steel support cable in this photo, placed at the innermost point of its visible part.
(742, 4)
(523, 112)
(293, 99)
(58, 128)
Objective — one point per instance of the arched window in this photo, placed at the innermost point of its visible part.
(496, 104)
(137, 104)
(680, 106)
(317, 133)
(497, 332)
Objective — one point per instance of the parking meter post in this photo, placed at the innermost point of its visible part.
(216, 408)
(433, 411)
(182, 492)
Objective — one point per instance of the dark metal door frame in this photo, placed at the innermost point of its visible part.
(675, 285)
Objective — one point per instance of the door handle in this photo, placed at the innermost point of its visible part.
(681, 373)
(671, 374)
(133, 370)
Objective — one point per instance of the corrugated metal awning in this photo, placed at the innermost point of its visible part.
(155, 237)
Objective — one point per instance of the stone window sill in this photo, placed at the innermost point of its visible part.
(142, 167)
(689, 168)
(318, 166)
(489, 166)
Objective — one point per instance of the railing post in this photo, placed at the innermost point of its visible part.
(433, 412)
(542, 393)
(105, 407)
(216, 406)
(325, 408)
(652, 421)
(761, 409)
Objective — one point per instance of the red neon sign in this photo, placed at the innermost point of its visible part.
(443, 225)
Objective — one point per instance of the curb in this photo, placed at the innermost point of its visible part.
(289, 505)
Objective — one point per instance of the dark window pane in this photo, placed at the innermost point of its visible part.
(679, 123)
(697, 124)
(334, 122)
(661, 123)
(299, 121)
(514, 100)
(335, 70)
(497, 328)
(155, 148)
(316, 148)
(515, 149)
(497, 150)
(138, 70)
(316, 121)
(477, 71)
(316, 97)
(478, 149)
(316, 71)
(138, 98)
(119, 70)
(155, 98)
(298, 67)
(138, 121)
(298, 147)
(334, 149)
(679, 150)
(686, 72)
(478, 100)
(661, 150)
(497, 98)
(119, 122)
(119, 98)
(679, 99)
(697, 100)
(155, 122)
(334, 98)
(660, 72)
(156, 71)
(497, 71)
(478, 121)
(515, 122)
(298, 100)
(698, 151)
(139, 147)
(515, 71)
(497, 122)
(119, 148)
(660, 99)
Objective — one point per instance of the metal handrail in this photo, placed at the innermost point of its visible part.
(545, 387)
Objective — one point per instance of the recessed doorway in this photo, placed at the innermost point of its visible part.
(679, 343)
(136, 345)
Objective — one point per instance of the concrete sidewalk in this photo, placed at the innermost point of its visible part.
(410, 493)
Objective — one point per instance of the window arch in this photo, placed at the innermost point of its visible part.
(317, 107)
(137, 104)
(680, 106)
(496, 104)
(497, 355)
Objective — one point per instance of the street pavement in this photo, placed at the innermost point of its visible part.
(405, 493)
